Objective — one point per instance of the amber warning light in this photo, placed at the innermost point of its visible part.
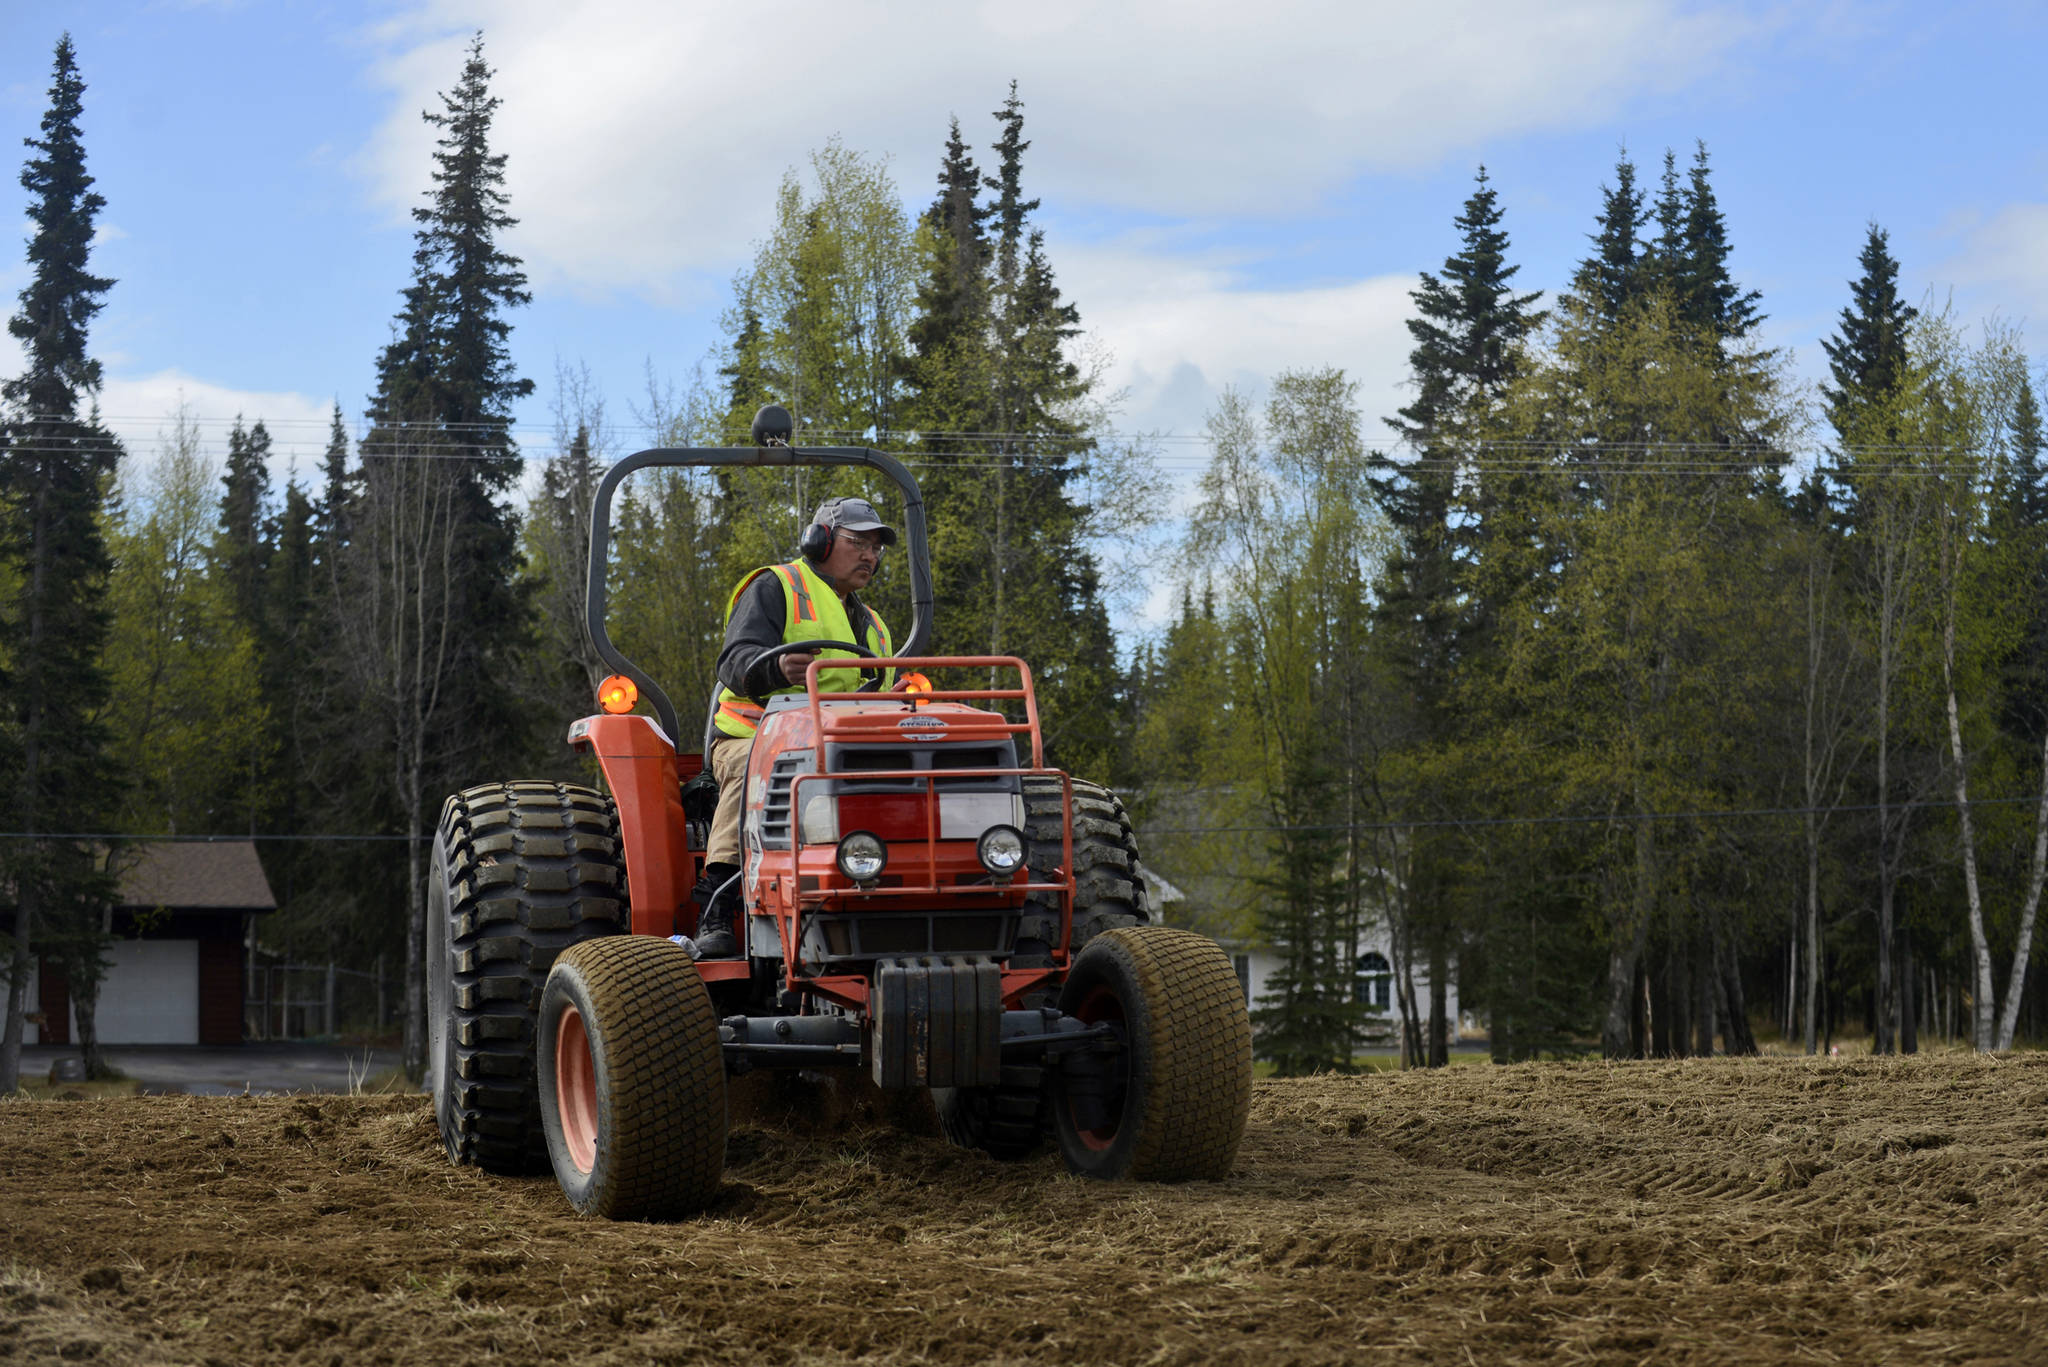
(617, 694)
(914, 684)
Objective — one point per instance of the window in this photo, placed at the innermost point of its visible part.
(1373, 988)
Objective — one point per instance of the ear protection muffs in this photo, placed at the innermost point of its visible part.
(817, 542)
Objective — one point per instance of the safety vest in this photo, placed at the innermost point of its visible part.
(812, 611)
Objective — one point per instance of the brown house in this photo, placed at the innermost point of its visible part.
(174, 972)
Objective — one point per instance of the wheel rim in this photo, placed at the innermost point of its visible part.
(1102, 1006)
(576, 1089)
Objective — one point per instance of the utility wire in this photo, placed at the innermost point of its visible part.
(1575, 819)
(1427, 823)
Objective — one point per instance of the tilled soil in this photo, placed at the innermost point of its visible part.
(1706, 1211)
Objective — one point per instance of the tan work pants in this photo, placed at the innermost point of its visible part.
(729, 766)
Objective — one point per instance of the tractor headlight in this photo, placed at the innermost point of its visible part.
(1001, 849)
(862, 856)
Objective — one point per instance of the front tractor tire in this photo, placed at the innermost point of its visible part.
(1169, 1104)
(1007, 1121)
(632, 1080)
(521, 872)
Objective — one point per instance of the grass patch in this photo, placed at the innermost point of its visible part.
(389, 1082)
(42, 1089)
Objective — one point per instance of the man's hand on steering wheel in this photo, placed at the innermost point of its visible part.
(794, 657)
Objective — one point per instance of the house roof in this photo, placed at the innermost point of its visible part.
(189, 875)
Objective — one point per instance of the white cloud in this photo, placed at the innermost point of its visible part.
(2005, 258)
(1183, 331)
(645, 139)
(141, 409)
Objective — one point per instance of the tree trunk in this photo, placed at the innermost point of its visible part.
(415, 1047)
(1812, 932)
(1736, 1036)
(1983, 1023)
(1909, 1025)
(1881, 1032)
(1706, 993)
(1411, 1018)
(1625, 947)
(2016, 982)
(85, 1008)
(1639, 1013)
(19, 966)
(1439, 1002)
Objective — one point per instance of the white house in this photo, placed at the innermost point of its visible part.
(1372, 987)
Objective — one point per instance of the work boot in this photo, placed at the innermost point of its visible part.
(715, 939)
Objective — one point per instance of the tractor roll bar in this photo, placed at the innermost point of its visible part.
(601, 530)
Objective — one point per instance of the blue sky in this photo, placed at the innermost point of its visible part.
(1228, 189)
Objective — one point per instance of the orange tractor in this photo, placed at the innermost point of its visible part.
(921, 898)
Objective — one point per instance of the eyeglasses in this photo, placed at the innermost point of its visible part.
(863, 546)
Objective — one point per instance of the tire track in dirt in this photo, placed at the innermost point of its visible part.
(1698, 1211)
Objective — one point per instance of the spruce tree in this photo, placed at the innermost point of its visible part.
(2024, 486)
(1867, 354)
(55, 751)
(431, 528)
(750, 379)
(950, 366)
(445, 392)
(1034, 585)
(330, 514)
(1614, 274)
(2021, 525)
(1010, 209)
(241, 551)
(1665, 260)
(1708, 297)
(1469, 326)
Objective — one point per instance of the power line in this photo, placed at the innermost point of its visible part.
(1580, 819)
(1426, 823)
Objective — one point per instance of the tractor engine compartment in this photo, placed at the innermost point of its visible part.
(907, 841)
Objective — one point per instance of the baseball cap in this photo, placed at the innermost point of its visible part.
(854, 515)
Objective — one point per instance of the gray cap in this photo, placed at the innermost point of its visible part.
(854, 515)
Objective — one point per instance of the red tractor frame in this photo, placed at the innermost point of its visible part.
(922, 898)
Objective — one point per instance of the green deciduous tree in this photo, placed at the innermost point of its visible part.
(189, 700)
(1283, 521)
(818, 323)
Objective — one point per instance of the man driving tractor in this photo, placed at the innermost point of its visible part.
(812, 598)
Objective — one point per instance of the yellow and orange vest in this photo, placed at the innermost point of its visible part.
(813, 611)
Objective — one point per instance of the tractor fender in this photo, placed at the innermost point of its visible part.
(645, 775)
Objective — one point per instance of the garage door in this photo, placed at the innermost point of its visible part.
(151, 993)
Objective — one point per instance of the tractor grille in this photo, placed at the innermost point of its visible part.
(856, 759)
(867, 935)
(775, 806)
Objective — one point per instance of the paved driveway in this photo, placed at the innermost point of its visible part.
(230, 1070)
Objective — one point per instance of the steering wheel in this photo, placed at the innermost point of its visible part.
(872, 678)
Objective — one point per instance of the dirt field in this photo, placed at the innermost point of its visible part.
(1762, 1211)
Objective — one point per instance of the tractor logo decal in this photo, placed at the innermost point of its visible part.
(921, 724)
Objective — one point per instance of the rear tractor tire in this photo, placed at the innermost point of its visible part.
(1170, 1103)
(1107, 889)
(632, 1080)
(521, 872)
(1006, 1121)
